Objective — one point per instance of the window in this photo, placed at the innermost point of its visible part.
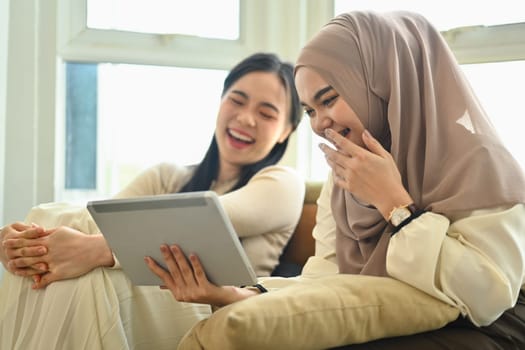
(499, 87)
(131, 71)
(125, 118)
(220, 20)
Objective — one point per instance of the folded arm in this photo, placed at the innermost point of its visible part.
(476, 263)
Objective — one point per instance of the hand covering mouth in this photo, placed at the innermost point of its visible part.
(238, 136)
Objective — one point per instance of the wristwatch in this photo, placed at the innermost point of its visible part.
(400, 214)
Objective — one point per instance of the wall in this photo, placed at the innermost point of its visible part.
(28, 142)
(4, 30)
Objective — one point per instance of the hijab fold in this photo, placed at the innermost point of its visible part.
(398, 74)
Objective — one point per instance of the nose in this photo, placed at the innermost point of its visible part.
(320, 122)
(246, 118)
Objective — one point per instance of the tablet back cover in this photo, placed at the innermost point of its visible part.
(196, 221)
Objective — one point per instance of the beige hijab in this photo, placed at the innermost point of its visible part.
(398, 74)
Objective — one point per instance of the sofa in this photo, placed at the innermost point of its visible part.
(301, 245)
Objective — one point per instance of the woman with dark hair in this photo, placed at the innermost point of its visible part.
(62, 251)
(207, 170)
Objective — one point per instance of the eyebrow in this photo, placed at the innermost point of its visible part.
(266, 104)
(319, 94)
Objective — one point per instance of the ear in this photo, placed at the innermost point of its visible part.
(286, 132)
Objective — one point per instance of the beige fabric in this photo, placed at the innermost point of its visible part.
(324, 229)
(102, 310)
(475, 262)
(321, 312)
(397, 73)
(467, 241)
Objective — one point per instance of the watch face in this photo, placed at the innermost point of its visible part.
(399, 215)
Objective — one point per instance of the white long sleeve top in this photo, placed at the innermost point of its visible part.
(474, 261)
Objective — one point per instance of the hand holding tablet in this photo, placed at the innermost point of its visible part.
(195, 221)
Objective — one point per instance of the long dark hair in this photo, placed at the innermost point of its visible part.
(208, 169)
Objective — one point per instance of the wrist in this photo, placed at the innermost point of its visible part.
(387, 208)
(103, 254)
(230, 295)
(401, 213)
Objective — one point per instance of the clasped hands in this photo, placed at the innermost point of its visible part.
(21, 249)
(47, 255)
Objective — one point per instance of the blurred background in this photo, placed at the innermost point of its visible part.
(94, 91)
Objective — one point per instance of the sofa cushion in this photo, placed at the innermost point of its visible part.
(320, 313)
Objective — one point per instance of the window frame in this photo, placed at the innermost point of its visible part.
(77, 42)
(484, 44)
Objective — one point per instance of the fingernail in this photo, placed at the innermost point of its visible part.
(328, 132)
(367, 133)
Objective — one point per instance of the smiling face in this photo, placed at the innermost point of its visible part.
(253, 117)
(325, 107)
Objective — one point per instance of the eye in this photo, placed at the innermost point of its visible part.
(267, 113)
(328, 102)
(267, 116)
(236, 101)
(309, 112)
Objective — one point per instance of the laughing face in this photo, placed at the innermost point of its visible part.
(326, 108)
(253, 117)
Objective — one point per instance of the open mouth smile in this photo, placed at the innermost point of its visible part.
(240, 137)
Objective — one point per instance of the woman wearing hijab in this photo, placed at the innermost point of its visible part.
(422, 189)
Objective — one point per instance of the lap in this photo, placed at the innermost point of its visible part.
(100, 310)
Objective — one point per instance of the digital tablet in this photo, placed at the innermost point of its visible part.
(136, 227)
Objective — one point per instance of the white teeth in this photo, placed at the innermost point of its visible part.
(240, 136)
